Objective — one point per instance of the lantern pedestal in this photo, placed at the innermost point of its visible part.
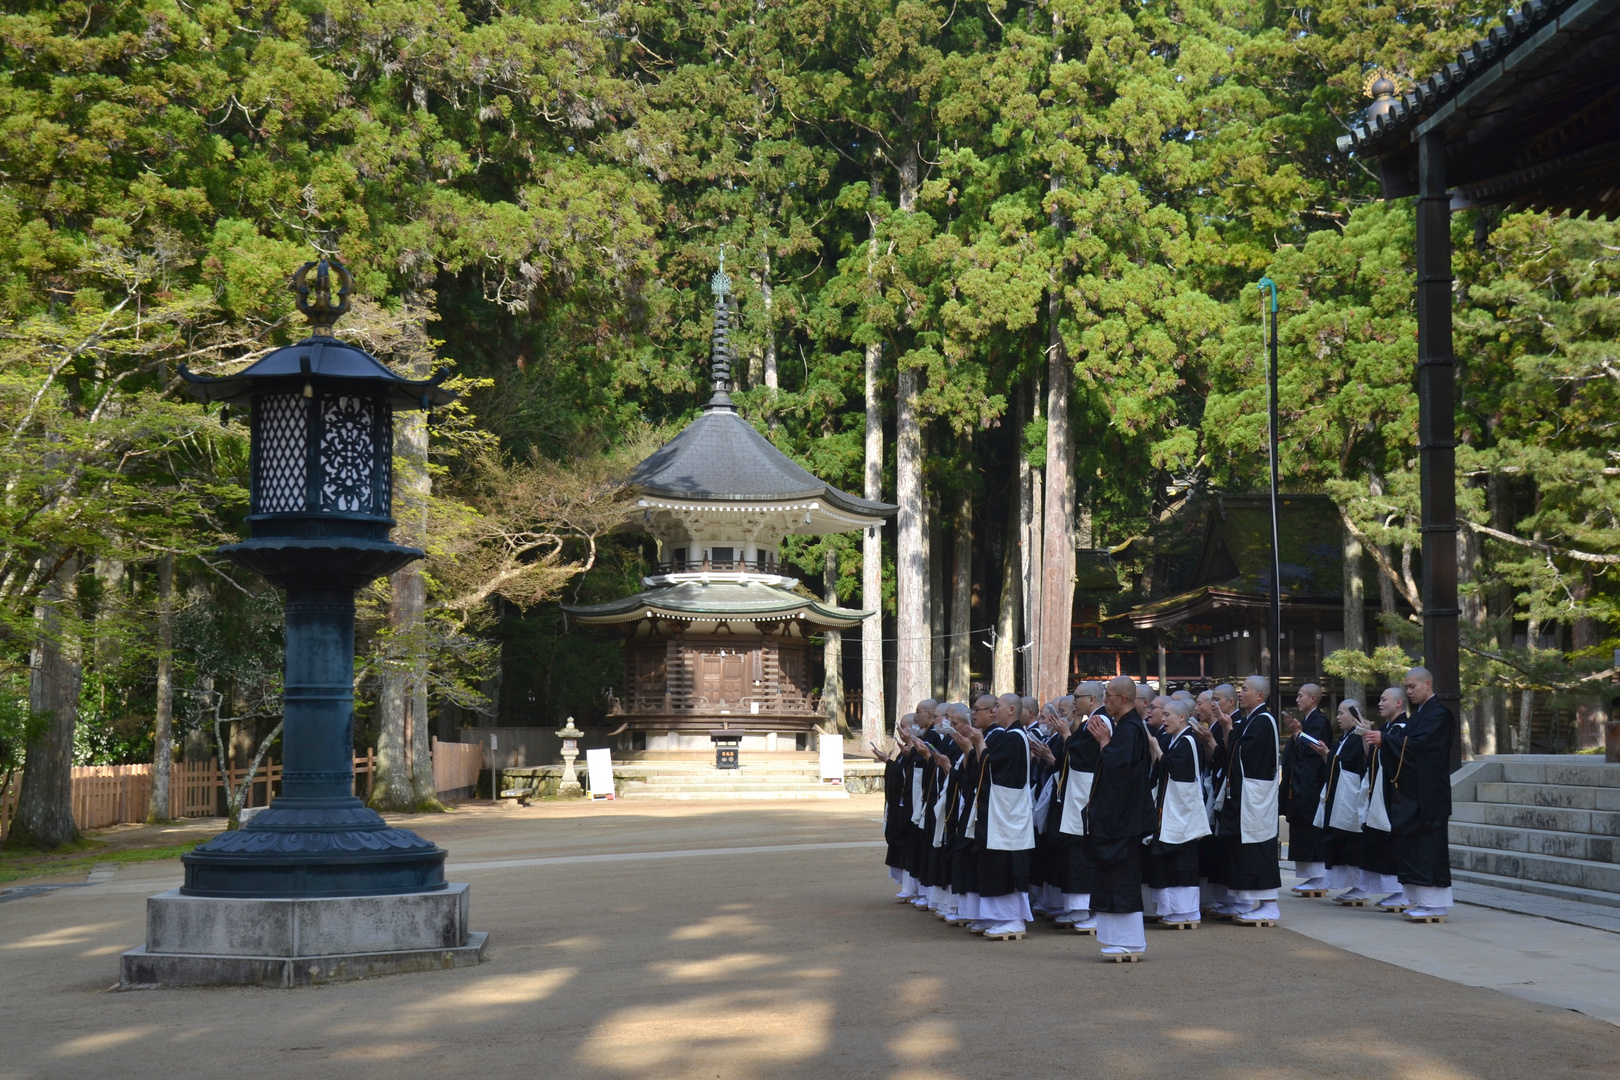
(204, 941)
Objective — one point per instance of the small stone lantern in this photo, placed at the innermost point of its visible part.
(570, 750)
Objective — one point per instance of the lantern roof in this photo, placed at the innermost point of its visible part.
(321, 356)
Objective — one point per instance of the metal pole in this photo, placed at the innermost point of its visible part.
(1436, 390)
(1276, 548)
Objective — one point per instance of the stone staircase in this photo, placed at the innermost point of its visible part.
(1542, 824)
(685, 780)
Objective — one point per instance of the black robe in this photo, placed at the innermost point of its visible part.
(1211, 851)
(895, 813)
(1120, 815)
(1417, 760)
(1249, 866)
(968, 773)
(1006, 760)
(1040, 859)
(1172, 866)
(1303, 775)
(1377, 845)
(937, 861)
(1069, 864)
(1350, 756)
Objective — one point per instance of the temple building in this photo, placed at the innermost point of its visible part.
(719, 636)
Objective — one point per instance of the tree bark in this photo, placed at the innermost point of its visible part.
(935, 554)
(767, 297)
(44, 817)
(912, 675)
(1032, 493)
(961, 640)
(1009, 612)
(1386, 587)
(1527, 698)
(1471, 601)
(1355, 612)
(872, 718)
(832, 693)
(1057, 560)
(163, 712)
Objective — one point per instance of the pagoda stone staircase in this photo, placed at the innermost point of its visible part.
(697, 780)
(1542, 824)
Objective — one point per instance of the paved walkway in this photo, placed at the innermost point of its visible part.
(760, 941)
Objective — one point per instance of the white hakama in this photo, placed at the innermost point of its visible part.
(1123, 931)
(1177, 904)
(1428, 897)
(1011, 907)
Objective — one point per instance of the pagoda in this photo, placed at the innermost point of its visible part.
(719, 636)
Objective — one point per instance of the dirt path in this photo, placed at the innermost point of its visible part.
(775, 963)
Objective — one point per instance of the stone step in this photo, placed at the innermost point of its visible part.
(1514, 815)
(828, 792)
(733, 778)
(1562, 772)
(1568, 845)
(700, 788)
(1567, 797)
(1539, 888)
(1525, 866)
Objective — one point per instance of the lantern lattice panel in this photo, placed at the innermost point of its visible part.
(354, 443)
(281, 453)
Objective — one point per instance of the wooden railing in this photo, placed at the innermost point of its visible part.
(105, 795)
(725, 566)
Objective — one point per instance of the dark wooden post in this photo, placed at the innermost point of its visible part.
(1436, 387)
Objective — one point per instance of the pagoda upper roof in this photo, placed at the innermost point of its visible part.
(719, 601)
(720, 457)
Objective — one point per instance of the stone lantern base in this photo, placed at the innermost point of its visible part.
(224, 941)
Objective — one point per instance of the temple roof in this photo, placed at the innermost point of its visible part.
(720, 456)
(717, 601)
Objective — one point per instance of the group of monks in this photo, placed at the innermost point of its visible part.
(1116, 805)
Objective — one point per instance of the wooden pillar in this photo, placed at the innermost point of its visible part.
(1436, 388)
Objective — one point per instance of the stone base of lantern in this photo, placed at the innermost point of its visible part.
(229, 941)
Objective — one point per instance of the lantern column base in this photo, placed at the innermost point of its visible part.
(212, 941)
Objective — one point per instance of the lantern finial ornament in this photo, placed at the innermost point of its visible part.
(317, 300)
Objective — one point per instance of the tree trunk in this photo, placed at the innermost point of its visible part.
(1057, 558)
(961, 640)
(1386, 587)
(1527, 698)
(935, 554)
(44, 817)
(391, 785)
(832, 693)
(163, 726)
(766, 294)
(1009, 613)
(1471, 601)
(913, 678)
(1500, 497)
(1032, 493)
(872, 719)
(1355, 612)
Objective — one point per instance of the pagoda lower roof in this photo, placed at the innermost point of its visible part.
(718, 601)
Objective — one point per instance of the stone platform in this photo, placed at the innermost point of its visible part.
(210, 941)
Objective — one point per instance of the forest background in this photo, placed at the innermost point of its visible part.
(993, 261)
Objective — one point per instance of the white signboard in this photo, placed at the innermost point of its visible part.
(832, 758)
(599, 766)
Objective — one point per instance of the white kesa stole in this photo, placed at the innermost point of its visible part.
(1257, 814)
(1077, 795)
(1184, 817)
(1012, 819)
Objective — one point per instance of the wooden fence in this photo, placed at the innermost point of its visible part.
(106, 795)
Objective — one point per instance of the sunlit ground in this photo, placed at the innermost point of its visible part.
(780, 963)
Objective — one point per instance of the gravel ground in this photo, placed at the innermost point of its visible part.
(791, 960)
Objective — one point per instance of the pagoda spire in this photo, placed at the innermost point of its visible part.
(720, 349)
